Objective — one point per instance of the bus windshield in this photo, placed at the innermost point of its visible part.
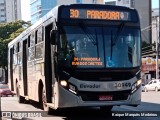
(100, 47)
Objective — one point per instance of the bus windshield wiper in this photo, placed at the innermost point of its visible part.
(114, 41)
(111, 44)
(93, 38)
(87, 32)
(121, 26)
(97, 43)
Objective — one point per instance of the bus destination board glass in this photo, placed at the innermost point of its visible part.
(99, 14)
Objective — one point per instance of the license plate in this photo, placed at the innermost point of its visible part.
(106, 97)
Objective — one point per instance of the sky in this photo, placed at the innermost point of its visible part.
(25, 8)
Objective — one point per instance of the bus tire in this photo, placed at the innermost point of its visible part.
(44, 100)
(42, 96)
(106, 108)
(21, 99)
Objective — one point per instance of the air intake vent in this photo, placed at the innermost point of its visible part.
(103, 76)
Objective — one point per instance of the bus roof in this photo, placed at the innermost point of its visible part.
(54, 14)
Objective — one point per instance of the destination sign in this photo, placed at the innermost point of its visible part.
(99, 14)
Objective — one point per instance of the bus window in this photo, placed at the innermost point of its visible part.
(39, 51)
(29, 40)
(15, 54)
(19, 54)
(32, 39)
(39, 44)
(40, 35)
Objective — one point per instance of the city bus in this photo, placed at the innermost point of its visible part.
(78, 55)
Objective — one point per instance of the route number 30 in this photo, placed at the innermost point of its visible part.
(74, 13)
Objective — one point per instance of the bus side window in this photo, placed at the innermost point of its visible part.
(39, 43)
(28, 41)
(19, 47)
(32, 39)
(31, 49)
(15, 54)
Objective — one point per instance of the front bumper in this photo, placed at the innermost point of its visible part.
(68, 99)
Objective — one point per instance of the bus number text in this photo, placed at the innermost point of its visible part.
(122, 85)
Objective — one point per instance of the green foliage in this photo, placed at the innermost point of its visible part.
(9, 31)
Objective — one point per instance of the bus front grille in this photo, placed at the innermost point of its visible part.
(94, 96)
(103, 76)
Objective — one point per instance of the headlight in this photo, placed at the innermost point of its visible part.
(63, 83)
(136, 85)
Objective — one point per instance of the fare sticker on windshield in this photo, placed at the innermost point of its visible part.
(87, 61)
(99, 14)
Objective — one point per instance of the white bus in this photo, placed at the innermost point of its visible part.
(79, 55)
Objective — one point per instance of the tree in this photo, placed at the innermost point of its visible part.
(8, 32)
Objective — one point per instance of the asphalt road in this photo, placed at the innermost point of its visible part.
(150, 106)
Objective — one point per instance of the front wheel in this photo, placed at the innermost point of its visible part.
(106, 108)
(44, 100)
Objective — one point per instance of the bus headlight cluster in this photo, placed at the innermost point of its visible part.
(136, 85)
(68, 86)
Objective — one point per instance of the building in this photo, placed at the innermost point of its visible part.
(155, 24)
(144, 11)
(40, 7)
(149, 63)
(10, 10)
(149, 69)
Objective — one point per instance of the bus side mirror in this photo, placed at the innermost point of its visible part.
(53, 37)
